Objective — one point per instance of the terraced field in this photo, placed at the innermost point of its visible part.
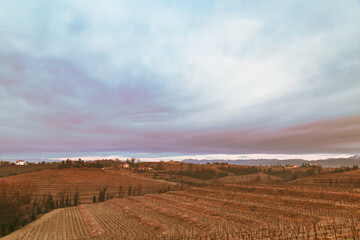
(88, 182)
(216, 212)
(343, 181)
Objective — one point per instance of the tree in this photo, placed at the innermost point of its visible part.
(137, 163)
(102, 194)
(61, 197)
(133, 161)
(76, 198)
(79, 163)
(49, 204)
(120, 192)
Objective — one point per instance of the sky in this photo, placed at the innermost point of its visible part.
(159, 79)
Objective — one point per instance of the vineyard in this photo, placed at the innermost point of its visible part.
(342, 181)
(88, 182)
(243, 211)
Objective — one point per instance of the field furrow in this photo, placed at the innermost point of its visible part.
(215, 212)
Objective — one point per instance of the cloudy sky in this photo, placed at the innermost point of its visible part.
(173, 78)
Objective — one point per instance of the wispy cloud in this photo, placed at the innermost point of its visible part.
(179, 77)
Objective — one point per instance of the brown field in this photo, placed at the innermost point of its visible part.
(245, 206)
(88, 182)
(348, 180)
(260, 210)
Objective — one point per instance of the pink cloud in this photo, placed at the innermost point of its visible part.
(335, 135)
(13, 61)
(328, 136)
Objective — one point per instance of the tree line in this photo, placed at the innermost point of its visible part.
(19, 205)
(79, 164)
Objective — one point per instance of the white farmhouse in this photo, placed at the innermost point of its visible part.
(20, 162)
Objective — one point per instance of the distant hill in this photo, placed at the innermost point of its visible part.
(333, 162)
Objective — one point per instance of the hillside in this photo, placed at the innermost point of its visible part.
(215, 201)
(88, 182)
(10, 170)
(218, 212)
(254, 178)
(349, 180)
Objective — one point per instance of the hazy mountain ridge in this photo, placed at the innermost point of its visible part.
(330, 162)
(333, 162)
